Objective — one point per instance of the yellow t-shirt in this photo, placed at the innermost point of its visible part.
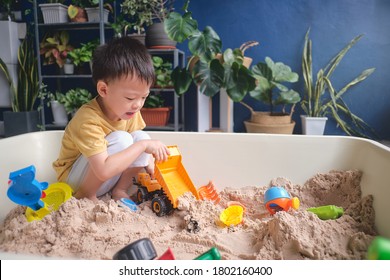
(85, 134)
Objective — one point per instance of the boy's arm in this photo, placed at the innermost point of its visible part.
(105, 166)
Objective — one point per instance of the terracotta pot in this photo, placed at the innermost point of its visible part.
(156, 116)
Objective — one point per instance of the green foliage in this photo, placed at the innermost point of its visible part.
(74, 99)
(25, 93)
(321, 99)
(83, 54)
(142, 13)
(55, 48)
(154, 101)
(211, 72)
(163, 71)
(270, 88)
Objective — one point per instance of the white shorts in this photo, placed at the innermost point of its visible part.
(117, 141)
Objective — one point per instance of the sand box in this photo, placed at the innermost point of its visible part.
(82, 229)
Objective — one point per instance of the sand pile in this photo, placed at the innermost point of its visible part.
(82, 229)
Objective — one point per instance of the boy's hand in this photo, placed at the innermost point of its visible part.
(150, 169)
(159, 151)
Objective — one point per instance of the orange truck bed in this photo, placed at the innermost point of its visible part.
(173, 177)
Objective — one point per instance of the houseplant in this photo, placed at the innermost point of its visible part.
(55, 48)
(10, 10)
(92, 9)
(73, 99)
(155, 35)
(83, 54)
(271, 89)
(23, 118)
(321, 99)
(210, 73)
(54, 11)
(77, 12)
(163, 71)
(140, 15)
(55, 100)
(154, 112)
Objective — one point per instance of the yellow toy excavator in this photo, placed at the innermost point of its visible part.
(171, 182)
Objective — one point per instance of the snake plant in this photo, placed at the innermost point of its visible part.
(25, 93)
(321, 99)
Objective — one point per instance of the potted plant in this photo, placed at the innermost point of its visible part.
(55, 101)
(140, 16)
(23, 118)
(321, 99)
(271, 89)
(54, 11)
(83, 54)
(73, 99)
(211, 72)
(155, 35)
(10, 42)
(55, 48)
(77, 12)
(163, 71)
(154, 112)
(93, 10)
(10, 10)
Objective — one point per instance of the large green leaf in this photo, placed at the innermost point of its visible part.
(205, 44)
(281, 72)
(179, 27)
(181, 79)
(210, 78)
(242, 83)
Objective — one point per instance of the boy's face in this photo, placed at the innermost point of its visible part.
(123, 97)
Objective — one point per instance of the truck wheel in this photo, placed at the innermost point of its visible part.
(142, 194)
(159, 206)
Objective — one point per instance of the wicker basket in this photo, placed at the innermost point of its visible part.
(156, 116)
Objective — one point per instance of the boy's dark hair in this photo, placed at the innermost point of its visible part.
(121, 57)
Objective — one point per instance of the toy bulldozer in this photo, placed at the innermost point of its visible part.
(171, 182)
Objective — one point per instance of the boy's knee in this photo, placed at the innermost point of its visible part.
(139, 135)
(119, 140)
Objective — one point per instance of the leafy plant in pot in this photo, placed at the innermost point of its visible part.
(271, 90)
(156, 36)
(163, 71)
(73, 99)
(321, 99)
(213, 69)
(139, 13)
(55, 100)
(154, 112)
(83, 54)
(23, 118)
(55, 48)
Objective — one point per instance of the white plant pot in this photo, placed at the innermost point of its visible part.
(68, 68)
(94, 14)
(54, 13)
(313, 125)
(9, 43)
(59, 114)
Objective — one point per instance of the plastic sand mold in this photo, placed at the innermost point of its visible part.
(56, 194)
(232, 215)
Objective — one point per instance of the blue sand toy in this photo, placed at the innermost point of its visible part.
(25, 190)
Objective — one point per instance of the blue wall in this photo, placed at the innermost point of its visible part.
(280, 26)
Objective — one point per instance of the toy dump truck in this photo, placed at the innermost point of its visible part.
(171, 181)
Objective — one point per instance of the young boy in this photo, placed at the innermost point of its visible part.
(103, 146)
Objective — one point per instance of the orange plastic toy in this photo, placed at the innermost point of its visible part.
(209, 192)
(278, 199)
(171, 182)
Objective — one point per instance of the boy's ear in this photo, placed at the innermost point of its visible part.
(101, 88)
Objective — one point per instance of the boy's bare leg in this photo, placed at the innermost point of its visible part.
(89, 187)
(121, 189)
